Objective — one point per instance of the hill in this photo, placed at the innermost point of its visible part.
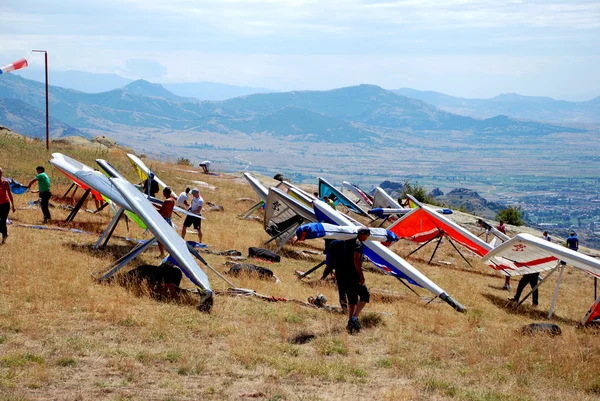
(63, 336)
(514, 105)
(142, 104)
(31, 121)
(97, 82)
(471, 202)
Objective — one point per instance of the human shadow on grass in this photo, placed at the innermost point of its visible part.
(526, 310)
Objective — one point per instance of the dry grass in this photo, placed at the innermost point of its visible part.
(64, 337)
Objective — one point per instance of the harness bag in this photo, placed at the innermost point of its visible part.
(265, 254)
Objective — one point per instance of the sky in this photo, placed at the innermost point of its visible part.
(475, 49)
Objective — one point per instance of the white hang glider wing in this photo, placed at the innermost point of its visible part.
(176, 246)
(332, 231)
(359, 193)
(283, 212)
(382, 255)
(525, 254)
(256, 185)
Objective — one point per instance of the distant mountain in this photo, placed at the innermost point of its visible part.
(30, 121)
(212, 90)
(342, 115)
(79, 80)
(471, 202)
(513, 105)
(90, 82)
(145, 88)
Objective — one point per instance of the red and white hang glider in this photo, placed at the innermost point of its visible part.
(424, 224)
(526, 254)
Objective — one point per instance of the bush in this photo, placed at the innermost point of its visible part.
(184, 161)
(511, 215)
(419, 193)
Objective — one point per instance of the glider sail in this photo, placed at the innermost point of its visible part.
(17, 65)
(331, 231)
(360, 194)
(424, 224)
(326, 189)
(283, 213)
(257, 186)
(526, 254)
(142, 170)
(176, 246)
(393, 263)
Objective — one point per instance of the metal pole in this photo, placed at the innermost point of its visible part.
(47, 100)
(47, 115)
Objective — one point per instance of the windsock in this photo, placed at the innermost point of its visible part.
(17, 65)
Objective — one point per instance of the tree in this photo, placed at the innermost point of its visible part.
(419, 193)
(511, 215)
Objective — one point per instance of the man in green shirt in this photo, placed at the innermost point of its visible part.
(44, 189)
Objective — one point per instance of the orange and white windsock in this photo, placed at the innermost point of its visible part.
(17, 65)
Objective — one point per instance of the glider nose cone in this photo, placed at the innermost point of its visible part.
(453, 303)
(206, 301)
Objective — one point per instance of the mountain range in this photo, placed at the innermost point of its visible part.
(511, 104)
(351, 114)
(89, 82)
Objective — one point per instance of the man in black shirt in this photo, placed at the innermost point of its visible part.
(352, 281)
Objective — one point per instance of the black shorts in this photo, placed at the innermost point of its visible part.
(191, 220)
(355, 291)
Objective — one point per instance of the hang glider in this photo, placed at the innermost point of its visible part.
(385, 258)
(175, 245)
(296, 192)
(332, 231)
(360, 194)
(142, 170)
(326, 189)
(423, 224)
(384, 206)
(525, 254)
(257, 186)
(283, 215)
(17, 65)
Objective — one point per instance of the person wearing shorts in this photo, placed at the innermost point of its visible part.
(351, 280)
(196, 205)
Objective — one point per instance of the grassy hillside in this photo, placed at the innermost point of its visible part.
(65, 337)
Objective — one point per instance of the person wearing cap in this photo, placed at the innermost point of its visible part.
(196, 205)
(351, 280)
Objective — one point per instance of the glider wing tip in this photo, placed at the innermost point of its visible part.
(453, 303)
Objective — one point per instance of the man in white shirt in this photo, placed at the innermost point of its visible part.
(196, 208)
(182, 199)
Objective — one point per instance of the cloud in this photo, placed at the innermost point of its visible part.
(287, 44)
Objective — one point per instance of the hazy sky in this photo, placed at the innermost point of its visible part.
(460, 47)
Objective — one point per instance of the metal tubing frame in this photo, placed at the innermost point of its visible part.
(560, 276)
(123, 260)
(75, 210)
(109, 229)
(197, 255)
(538, 285)
(253, 209)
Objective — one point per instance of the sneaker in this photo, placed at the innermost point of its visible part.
(4, 239)
(513, 299)
(507, 287)
(353, 326)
